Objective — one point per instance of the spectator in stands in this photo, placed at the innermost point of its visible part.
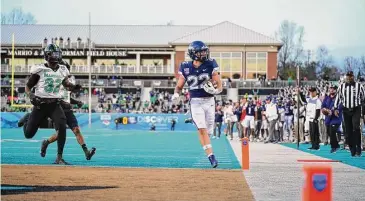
(229, 83)
(228, 117)
(332, 121)
(258, 120)
(237, 110)
(218, 122)
(272, 116)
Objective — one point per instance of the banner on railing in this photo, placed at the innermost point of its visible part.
(68, 53)
(114, 121)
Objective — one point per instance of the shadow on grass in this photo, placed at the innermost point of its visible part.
(7, 189)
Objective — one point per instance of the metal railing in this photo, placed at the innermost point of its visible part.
(272, 84)
(114, 83)
(100, 69)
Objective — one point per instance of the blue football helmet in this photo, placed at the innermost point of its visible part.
(198, 51)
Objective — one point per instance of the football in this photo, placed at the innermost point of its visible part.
(214, 83)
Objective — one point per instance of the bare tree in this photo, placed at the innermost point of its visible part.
(18, 16)
(324, 59)
(362, 64)
(307, 57)
(3, 18)
(292, 36)
(324, 62)
(351, 64)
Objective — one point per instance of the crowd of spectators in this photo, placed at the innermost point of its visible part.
(159, 102)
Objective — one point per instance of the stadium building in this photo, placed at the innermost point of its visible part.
(143, 50)
(126, 58)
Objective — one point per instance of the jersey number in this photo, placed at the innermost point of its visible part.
(195, 80)
(249, 110)
(52, 85)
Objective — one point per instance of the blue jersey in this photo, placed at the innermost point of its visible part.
(250, 110)
(289, 109)
(280, 107)
(196, 77)
(263, 107)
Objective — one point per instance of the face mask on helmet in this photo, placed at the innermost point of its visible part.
(202, 55)
(52, 53)
(198, 51)
(53, 57)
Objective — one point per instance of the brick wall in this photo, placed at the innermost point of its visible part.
(179, 57)
(272, 65)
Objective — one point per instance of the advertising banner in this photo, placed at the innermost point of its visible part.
(115, 121)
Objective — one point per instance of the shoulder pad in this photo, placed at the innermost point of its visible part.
(64, 70)
(62, 67)
(184, 64)
(35, 69)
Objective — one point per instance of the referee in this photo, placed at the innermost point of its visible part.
(351, 94)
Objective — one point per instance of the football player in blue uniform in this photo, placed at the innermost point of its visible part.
(198, 73)
(249, 122)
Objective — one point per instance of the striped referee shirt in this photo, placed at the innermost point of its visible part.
(350, 95)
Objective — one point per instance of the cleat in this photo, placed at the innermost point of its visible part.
(24, 119)
(61, 162)
(90, 153)
(44, 148)
(213, 161)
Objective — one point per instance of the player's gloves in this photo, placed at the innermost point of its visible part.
(210, 89)
(34, 99)
(175, 96)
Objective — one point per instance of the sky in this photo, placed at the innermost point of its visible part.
(337, 24)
